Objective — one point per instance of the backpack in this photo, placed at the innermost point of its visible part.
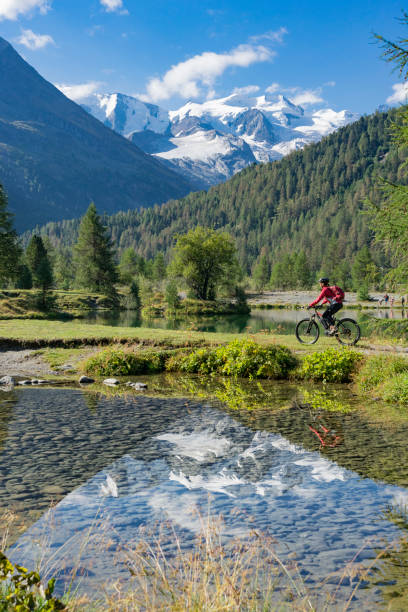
(338, 292)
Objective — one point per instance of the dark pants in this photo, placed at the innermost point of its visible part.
(328, 314)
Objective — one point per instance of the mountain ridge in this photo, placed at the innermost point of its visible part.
(209, 142)
(55, 158)
(310, 200)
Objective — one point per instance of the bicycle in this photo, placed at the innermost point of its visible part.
(346, 331)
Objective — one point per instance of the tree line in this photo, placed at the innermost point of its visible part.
(310, 202)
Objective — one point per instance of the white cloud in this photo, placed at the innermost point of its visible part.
(272, 35)
(246, 91)
(11, 9)
(114, 6)
(81, 91)
(34, 41)
(307, 97)
(303, 97)
(400, 95)
(187, 78)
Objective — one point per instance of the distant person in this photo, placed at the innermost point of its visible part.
(403, 301)
(333, 296)
(386, 298)
(392, 302)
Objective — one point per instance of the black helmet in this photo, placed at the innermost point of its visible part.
(324, 280)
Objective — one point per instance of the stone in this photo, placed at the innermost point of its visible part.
(139, 386)
(24, 382)
(7, 380)
(86, 380)
(111, 381)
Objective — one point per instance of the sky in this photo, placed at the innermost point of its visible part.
(167, 52)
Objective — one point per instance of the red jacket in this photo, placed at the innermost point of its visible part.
(328, 295)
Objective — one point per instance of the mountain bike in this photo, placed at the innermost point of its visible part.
(346, 331)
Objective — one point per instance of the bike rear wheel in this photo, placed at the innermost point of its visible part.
(307, 331)
(348, 332)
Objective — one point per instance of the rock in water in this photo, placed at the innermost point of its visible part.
(86, 380)
(111, 381)
(139, 386)
(7, 380)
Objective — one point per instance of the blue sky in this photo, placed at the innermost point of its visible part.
(319, 53)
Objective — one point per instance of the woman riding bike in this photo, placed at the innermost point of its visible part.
(333, 296)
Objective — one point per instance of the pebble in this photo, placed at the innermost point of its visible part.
(139, 386)
(111, 381)
(86, 380)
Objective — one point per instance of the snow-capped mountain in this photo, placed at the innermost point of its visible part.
(210, 142)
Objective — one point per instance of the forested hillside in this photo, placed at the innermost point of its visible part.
(311, 201)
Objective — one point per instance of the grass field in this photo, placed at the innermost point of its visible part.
(39, 333)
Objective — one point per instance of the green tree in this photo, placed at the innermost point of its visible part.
(129, 265)
(171, 296)
(24, 278)
(389, 217)
(301, 270)
(64, 272)
(206, 260)
(10, 251)
(261, 272)
(39, 264)
(133, 301)
(159, 267)
(364, 271)
(95, 269)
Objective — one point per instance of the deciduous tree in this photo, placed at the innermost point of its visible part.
(206, 260)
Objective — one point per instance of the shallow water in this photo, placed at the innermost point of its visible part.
(318, 481)
(281, 320)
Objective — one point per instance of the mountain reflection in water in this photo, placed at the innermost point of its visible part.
(116, 464)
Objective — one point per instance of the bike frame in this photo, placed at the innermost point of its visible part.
(317, 315)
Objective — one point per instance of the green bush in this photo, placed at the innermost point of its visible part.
(243, 358)
(331, 365)
(119, 362)
(378, 369)
(396, 389)
(22, 590)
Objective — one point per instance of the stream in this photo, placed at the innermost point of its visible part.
(311, 467)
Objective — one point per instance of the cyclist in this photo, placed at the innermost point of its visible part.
(333, 296)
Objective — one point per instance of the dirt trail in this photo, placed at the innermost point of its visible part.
(23, 363)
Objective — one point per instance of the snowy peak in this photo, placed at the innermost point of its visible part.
(126, 115)
(209, 142)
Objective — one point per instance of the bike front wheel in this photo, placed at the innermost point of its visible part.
(348, 332)
(307, 331)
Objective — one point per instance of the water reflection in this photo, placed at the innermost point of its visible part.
(278, 320)
(287, 458)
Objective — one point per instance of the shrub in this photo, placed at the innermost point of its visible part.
(243, 358)
(396, 389)
(119, 362)
(378, 369)
(22, 590)
(331, 365)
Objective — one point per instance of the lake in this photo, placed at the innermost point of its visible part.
(306, 464)
(281, 320)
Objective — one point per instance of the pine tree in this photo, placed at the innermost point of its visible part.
(63, 268)
(95, 269)
(10, 251)
(39, 264)
(261, 273)
(364, 271)
(129, 265)
(159, 267)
